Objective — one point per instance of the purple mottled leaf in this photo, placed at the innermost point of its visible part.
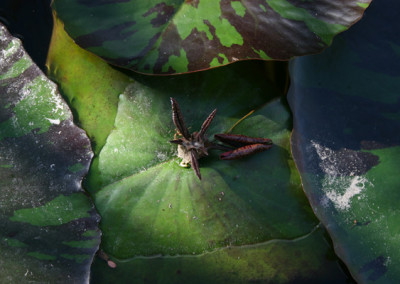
(176, 36)
(48, 225)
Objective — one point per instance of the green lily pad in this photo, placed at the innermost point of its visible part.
(177, 36)
(302, 260)
(169, 210)
(241, 213)
(346, 119)
(43, 206)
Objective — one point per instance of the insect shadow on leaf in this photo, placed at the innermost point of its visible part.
(196, 145)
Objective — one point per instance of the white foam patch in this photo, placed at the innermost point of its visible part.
(339, 189)
(14, 46)
(54, 121)
(342, 201)
(60, 105)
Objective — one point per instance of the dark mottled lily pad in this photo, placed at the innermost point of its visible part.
(48, 226)
(177, 36)
(346, 143)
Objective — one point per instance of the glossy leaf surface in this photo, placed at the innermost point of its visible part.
(162, 215)
(168, 208)
(48, 226)
(177, 36)
(346, 143)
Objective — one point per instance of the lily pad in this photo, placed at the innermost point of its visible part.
(345, 143)
(245, 220)
(150, 205)
(177, 36)
(301, 260)
(49, 227)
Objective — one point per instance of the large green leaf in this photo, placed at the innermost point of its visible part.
(48, 226)
(346, 143)
(176, 36)
(169, 210)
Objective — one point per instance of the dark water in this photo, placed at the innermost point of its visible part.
(30, 21)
